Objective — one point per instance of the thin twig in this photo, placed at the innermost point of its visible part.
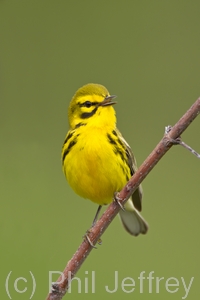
(181, 143)
(178, 141)
(60, 287)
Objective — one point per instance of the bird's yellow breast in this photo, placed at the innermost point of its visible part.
(94, 167)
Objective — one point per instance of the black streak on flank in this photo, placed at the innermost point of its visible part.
(121, 151)
(86, 115)
(121, 154)
(71, 144)
(68, 137)
(119, 141)
(124, 172)
(111, 140)
(117, 149)
(114, 132)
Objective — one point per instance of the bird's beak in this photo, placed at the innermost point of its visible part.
(108, 100)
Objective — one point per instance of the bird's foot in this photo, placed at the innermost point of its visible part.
(117, 199)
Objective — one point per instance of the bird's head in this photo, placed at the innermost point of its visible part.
(91, 104)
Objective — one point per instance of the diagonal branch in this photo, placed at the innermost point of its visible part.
(60, 287)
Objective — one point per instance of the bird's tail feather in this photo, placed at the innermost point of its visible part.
(131, 219)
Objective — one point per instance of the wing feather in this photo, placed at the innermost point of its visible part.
(137, 195)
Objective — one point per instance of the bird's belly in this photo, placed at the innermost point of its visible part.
(94, 171)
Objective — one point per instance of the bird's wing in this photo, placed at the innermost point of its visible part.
(137, 195)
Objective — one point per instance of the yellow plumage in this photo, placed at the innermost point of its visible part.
(97, 161)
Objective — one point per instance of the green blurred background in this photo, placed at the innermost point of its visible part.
(148, 54)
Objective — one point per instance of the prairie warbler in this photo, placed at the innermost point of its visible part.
(97, 161)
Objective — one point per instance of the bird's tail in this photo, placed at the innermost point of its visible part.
(131, 219)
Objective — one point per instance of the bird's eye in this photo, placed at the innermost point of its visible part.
(87, 104)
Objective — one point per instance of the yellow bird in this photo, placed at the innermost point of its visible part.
(96, 159)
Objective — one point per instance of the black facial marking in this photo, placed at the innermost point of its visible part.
(87, 104)
(80, 124)
(86, 115)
